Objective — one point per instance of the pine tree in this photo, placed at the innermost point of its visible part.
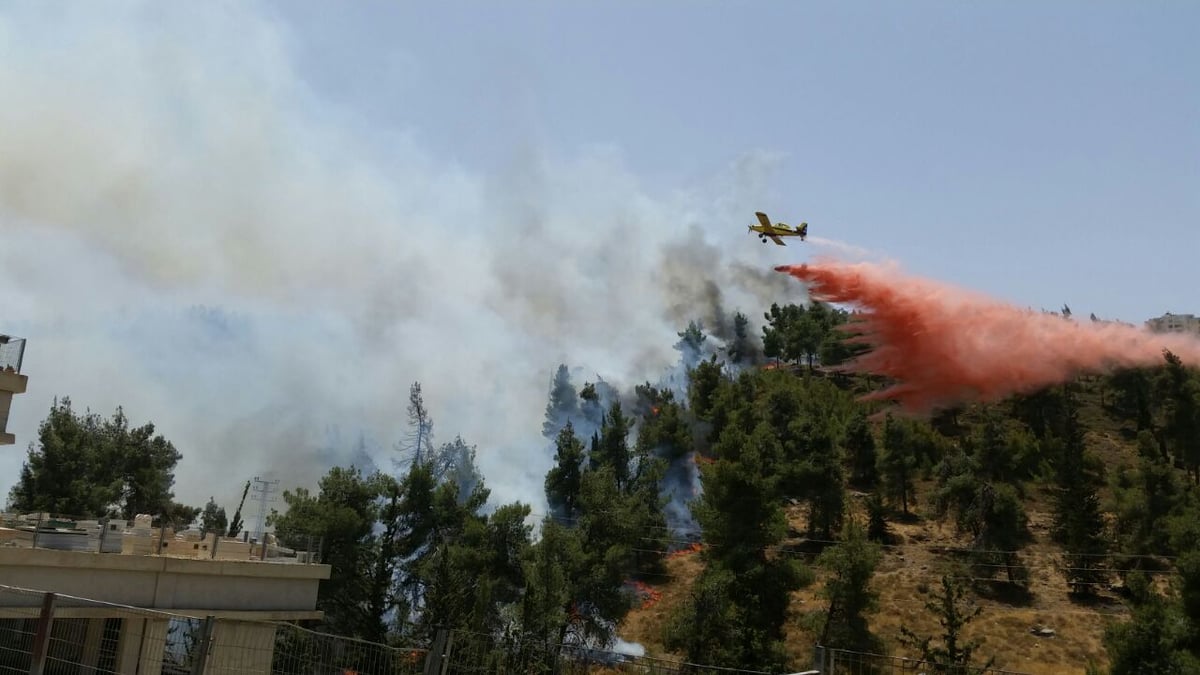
(236, 524)
(852, 564)
(213, 518)
(611, 447)
(563, 481)
(417, 446)
(954, 612)
(742, 585)
(1079, 522)
(563, 405)
(898, 464)
(85, 466)
(859, 443)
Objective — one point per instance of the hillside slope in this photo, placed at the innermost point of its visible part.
(1010, 626)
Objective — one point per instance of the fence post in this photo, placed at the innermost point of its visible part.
(202, 649)
(103, 531)
(41, 638)
(162, 534)
(37, 529)
(212, 555)
(433, 660)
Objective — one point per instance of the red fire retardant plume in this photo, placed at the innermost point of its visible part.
(943, 345)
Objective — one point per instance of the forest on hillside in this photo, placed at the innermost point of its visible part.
(757, 427)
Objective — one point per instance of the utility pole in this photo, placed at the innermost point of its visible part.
(262, 492)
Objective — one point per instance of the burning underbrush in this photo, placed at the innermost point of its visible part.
(645, 595)
(694, 547)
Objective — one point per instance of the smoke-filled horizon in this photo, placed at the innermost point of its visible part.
(190, 232)
(945, 345)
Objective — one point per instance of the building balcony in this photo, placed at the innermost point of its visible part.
(12, 353)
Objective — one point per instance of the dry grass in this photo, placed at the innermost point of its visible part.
(910, 573)
(908, 576)
(646, 624)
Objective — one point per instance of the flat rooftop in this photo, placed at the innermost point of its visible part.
(139, 538)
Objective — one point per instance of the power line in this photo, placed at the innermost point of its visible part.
(931, 547)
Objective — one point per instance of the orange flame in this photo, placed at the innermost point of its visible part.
(649, 595)
(695, 547)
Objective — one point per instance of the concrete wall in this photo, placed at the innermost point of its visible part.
(10, 383)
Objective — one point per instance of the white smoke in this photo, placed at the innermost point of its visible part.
(187, 230)
(621, 646)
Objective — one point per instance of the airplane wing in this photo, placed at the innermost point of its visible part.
(762, 218)
(776, 239)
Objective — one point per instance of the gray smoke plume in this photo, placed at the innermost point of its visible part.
(189, 231)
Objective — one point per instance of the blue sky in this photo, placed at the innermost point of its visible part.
(257, 224)
(965, 139)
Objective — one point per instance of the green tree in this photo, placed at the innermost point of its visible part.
(1144, 500)
(563, 405)
(989, 510)
(611, 447)
(342, 515)
(851, 563)
(236, 524)
(859, 444)
(741, 348)
(563, 481)
(954, 611)
(1157, 638)
(179, 516)
(145, 465)
(704, 382)
(1133, 396)
(898, 463)
(556, 568)
(1078, 518)
(213, 518)
(691, 343)
(709, 616)
(417, 446)
(85, 466)
(819, 480)
(877, 528)
(455, 462)
(663, 424)
(1003, 453)
(743, 585)
(1181, 393)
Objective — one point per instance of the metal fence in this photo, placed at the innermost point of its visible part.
(12, 352)
(459, 652)
(843, 662)
(46, 633)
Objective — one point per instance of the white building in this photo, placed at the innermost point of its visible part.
(1175, 323)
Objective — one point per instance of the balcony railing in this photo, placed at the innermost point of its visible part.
(12, 351)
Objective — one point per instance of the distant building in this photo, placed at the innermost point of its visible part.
(1175, 323)
(12, 352)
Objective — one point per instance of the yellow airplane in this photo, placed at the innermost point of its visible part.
(773, 232)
